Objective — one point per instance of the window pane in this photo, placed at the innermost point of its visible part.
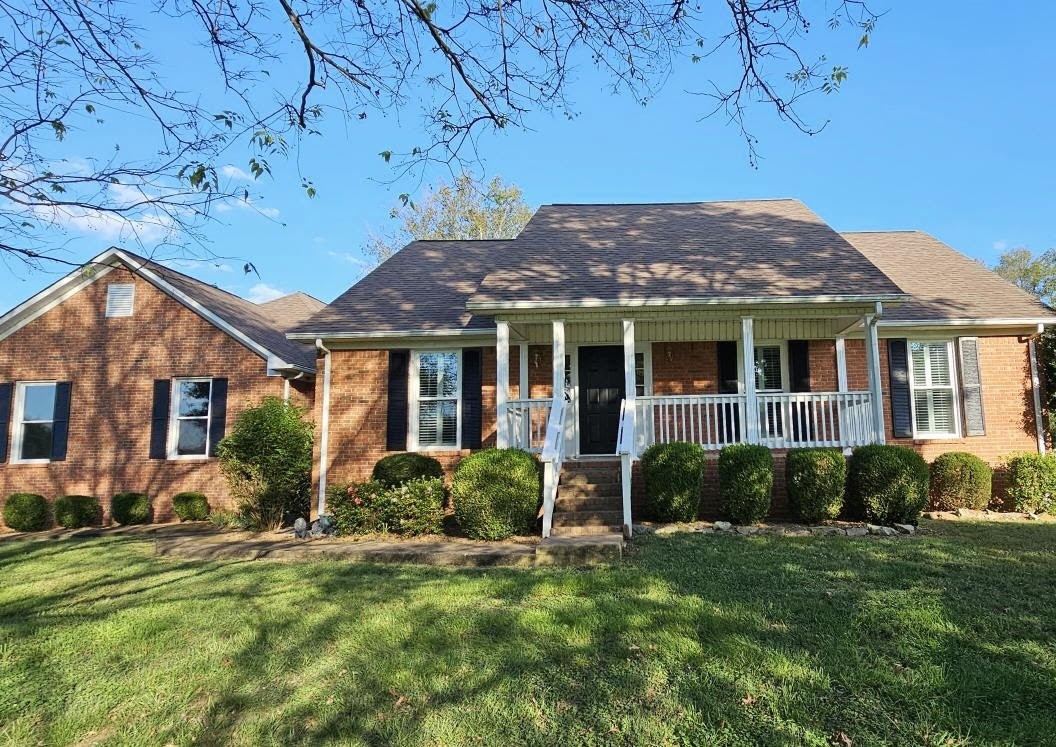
(36, 441)
(639, 374)
(768, 368)
(922, 415)
(449, 374)
(39, 403)
(939, 358)
(191, 437)
(916, 359)
(438, 423)
(194, 398)
(942, 410)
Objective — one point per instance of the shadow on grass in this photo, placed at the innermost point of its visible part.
(695, 639)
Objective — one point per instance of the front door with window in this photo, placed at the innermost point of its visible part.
(601, 390)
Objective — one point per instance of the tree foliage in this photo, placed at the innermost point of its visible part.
(465, 209)
(75, 75)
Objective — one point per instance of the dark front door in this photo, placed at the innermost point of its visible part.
(600, 393)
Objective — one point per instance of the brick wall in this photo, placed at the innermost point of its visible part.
(685, 368)
(112, 364)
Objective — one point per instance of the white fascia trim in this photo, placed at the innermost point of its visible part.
(418, 333)
(588, 303)
(991, 322)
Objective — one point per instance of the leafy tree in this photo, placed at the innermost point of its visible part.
(466, 209)
(267, 459)
(76, 74)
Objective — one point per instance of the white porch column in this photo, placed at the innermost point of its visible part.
(751, 419)
(876, 397)
(629, 381)
(559, 360)
(841, 364)
(522, 372)
(502, 383)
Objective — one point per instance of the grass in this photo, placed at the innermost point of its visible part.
(947, 639)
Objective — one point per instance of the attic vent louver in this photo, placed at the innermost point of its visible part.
(119, 299)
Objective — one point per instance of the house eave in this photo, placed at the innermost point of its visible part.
(390, 334)
(964, 322)
(602, 303)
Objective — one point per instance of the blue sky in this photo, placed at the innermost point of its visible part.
(944, 125)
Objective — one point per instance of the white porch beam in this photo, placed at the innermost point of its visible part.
(751, 420)
(872, 359)
(841, 364)
(502, 383)
(559, 360)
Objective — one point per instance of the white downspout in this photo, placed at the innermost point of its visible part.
(286, 390)
(324, 438)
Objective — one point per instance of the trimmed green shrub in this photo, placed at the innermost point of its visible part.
(76, 511)
(224, 518)
(267, 459)
(960, 480)
(746, 481)
(674, 477)
(131, 508)
(887, 484)
(1032, 483)
(396, 469)
(496, 493)
(190, 506)
(413, 508)
(816, 482)
(26, 512)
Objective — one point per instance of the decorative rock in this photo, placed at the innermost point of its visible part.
(797, 532)
(300, 528)
(746, 530)
(857, 531)
(722, 526)
(825, 531)
(643, 529)
(905, 528)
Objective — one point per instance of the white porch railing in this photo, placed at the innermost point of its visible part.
(552, 457)
(526, 421)
(835, 419)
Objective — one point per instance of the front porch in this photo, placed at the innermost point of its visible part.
(684, 378)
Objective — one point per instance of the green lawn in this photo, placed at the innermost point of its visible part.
(945, 639)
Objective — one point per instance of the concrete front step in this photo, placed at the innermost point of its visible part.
(585, 531)
(603, 547)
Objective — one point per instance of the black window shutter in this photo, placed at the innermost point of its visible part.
(396, 428)
(472, 415)
(898, 371)
(799, 365)
(971, 387)
(159, 419)
(727, 354)
(61, 420)
(217, 413)
(6, 391)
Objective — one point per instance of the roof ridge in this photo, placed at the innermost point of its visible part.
(672, 202)
(895, 230)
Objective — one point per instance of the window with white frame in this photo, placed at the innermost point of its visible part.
(437, 393)
(189, 419)
(34, 421)
(932, 383)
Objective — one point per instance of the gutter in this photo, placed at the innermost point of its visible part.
(590, 303)
(324, 439)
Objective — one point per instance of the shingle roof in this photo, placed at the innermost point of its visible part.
(942, 282)
(245, 316)
(421, 288)
(701, 251)
(290, 310)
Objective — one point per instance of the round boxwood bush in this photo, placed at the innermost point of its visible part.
(960, 480)
(131, 508)
(396, 469)
(76, 511)
(887, 484)
(190, 506)
(496, 493)
(746, 481)
(1032, 483)
(816, 481)
(674, 476)
(26, 512)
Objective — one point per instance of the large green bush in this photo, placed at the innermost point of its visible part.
(190, 506)
(26, 512)
(674, 477)
(267, 459)
(396, 469)
(413, 508)
(960, 480)
(76, 511)
(496, 493)
(816, 482)
(746, 482)
(131, 508)
(1032, 483)
(887, 484)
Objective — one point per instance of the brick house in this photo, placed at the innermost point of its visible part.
(711, 322)
(123, 375)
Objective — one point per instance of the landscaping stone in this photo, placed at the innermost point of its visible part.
(797, 532)
(906, 528)
(746, 530)
(300, 528)
(639, 529)
(722, 526)
(826, 531)
(857, 532)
